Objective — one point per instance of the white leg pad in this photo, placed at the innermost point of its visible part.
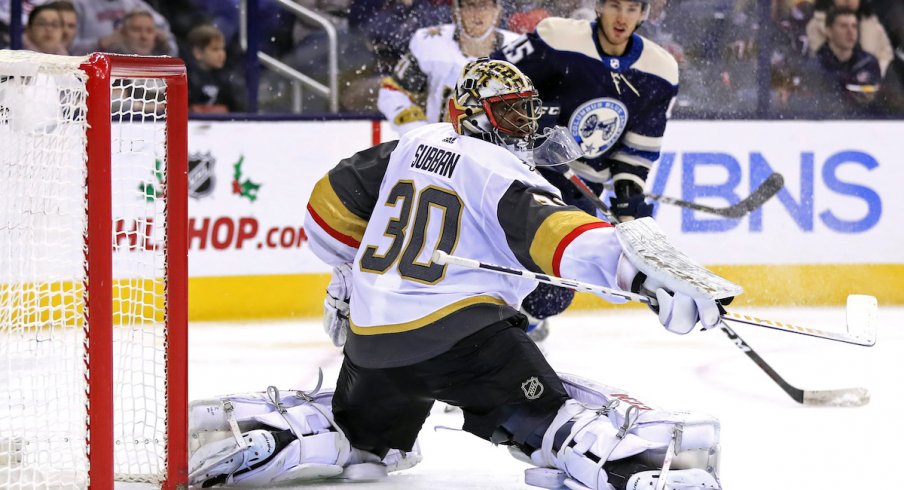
(320, 448)
(608, 424)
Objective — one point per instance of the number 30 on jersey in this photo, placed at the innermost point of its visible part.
(430, 201)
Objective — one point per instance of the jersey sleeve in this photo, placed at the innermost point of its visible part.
(545, 235)
(399, 92)
(342, 202)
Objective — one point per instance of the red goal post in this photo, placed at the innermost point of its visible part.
(93, 271)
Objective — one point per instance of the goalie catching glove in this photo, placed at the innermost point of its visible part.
(686, 292)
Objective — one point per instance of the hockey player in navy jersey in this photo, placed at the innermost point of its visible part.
(415, 331)
(612, 89)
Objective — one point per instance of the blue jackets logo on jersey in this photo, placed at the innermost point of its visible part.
(597, 124)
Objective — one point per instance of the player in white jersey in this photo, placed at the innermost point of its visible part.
(418, 331)
(418, 91)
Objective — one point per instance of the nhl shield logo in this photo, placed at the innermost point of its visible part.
(532, 388)
(597, 124)
(201, 176)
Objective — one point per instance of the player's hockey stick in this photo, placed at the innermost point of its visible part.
(757, 198)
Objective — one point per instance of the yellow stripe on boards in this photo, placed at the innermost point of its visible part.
(291, 296)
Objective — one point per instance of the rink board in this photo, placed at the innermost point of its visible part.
(834, 229)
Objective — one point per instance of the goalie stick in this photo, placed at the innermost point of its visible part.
(860, 308)
(861, 315)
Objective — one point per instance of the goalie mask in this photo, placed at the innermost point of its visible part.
(497, 103)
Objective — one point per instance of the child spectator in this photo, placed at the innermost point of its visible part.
(44, 31)
(209, 86)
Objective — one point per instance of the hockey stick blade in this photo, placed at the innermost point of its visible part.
(862, 312)
(757, 198)
(845, 397)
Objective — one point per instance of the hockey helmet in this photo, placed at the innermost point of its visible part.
(495, 102)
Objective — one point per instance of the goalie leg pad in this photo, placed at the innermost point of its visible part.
(226, 432)
(601, 424)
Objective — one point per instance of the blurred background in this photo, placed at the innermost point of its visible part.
(739, 59)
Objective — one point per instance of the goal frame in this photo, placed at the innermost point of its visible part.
(101, 69)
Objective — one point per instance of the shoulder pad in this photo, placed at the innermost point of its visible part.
(432, 39)
(568, 35)
(655, 60)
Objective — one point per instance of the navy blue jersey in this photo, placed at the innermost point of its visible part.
(616, 107)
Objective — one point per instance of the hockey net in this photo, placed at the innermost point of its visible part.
(92, 271)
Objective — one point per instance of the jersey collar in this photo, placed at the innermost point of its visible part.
(618, 63)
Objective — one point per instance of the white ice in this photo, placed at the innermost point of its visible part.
(768, 440)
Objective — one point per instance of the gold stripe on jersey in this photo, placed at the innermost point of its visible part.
(337, 218)
(427, 320)
(553, 231)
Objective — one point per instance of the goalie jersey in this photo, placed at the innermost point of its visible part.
(426, 76)
(386, 209)
(615, 107)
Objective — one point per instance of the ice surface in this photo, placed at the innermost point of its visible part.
(768, 440)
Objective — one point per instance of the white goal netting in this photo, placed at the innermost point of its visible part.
(45, 404)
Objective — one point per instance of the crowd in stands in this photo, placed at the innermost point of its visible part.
(808, 58)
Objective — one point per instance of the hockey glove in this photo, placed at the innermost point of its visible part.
(678, 312)
(335, 306)
(628, 201)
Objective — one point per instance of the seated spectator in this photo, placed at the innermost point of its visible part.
(891, 94)
(69, 20)
(44, 31)
(138, 35)
(99, 23)
(873, 38)
(210, 88)
(843, 78)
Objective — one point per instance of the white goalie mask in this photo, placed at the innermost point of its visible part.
(497, 103)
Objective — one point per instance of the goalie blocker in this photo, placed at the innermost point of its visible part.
(602, 438)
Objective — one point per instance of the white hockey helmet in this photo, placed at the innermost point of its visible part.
(495, 102)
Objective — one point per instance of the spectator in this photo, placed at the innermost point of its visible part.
(389, 24)
(891, 94)
(69, 19)
(44, 31)
(138, 35)
(843, 78)
(873, 38)
(99, 25)
(210, 88)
